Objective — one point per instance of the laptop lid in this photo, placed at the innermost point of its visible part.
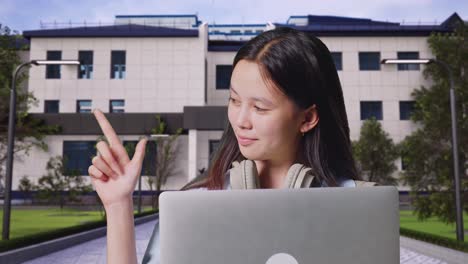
(287, 226)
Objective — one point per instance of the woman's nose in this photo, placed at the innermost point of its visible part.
(243, 119)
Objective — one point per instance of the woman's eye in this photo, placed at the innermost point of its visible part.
(259, 109)
(232, 100)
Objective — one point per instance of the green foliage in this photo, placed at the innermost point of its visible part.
(53, 186)
(375, 153)
(25, 184)
(435, 239)
(30, 132)
(428, 150)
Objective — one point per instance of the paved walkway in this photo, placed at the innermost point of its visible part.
(411, 251)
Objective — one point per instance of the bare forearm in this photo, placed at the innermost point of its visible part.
(121, 233)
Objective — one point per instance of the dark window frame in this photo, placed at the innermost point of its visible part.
(367, 61)
(223, 82)
(119, 63)
(111, 107)
(78, 106)
(85, 69)
(79, 162)
(47, 108)
(408, 55)
(337, 57)
(53, 71)
(372, 106)
(406, 109)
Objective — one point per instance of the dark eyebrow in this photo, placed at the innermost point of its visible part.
(260, 99)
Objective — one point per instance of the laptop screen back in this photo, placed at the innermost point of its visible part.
(316, 225)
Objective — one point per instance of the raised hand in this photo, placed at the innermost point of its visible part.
(113, 174)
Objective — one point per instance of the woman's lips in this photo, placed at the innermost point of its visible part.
(245, 141)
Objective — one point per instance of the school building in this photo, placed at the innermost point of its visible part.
(179, 67)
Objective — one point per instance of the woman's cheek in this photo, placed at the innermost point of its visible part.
(231, 116)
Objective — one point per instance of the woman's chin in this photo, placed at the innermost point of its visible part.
(248, 153)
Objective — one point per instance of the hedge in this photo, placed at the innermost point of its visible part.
(435, 239)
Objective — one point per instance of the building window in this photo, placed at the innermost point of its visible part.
(338, 60)
(85, 71)
(214, 144)
(406, 109)
(235, 32)
(51, 106)
(223, 76)
(117, 106)
(53, 71)
(369, 61)
(118, 64)
(77, 156)
(248, 32)
(149, 163)
(371, 109)
(83, 106)
(259, 31)
(408, 56)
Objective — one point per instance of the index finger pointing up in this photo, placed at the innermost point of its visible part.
(114, 141)
(106, 128)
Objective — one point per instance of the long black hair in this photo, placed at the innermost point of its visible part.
(301, 66)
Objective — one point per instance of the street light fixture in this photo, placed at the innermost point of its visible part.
(55, 62)
(458, 200)
(152, 137)
(11, 138)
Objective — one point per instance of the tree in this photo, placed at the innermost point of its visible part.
(428, 151)
(58, 181)
(30, 132)
(26, 186)
(375, 153)
(166, 150)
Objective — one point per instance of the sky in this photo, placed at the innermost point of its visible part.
(28, 14)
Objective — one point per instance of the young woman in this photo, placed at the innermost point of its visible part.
(285, 107)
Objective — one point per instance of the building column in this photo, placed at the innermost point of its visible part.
(192, 155)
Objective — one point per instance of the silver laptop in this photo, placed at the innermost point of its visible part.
(280, 226)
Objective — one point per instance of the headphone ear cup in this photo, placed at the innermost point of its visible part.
(299, 176)
(244, 175)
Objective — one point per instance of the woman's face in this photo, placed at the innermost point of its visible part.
(262, 113)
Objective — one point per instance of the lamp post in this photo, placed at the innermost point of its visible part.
(458, 200)
(155, 137)
(11, 138)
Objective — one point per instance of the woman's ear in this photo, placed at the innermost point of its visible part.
(310, 119)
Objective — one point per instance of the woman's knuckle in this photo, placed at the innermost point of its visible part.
(101, 144)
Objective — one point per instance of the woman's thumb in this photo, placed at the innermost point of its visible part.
(139, 155)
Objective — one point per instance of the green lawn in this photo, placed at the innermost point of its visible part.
(26, 221)
(431, 225)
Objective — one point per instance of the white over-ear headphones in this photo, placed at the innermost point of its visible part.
(244, 175)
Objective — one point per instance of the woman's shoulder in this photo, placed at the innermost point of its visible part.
(346, 182)
(365, 183)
